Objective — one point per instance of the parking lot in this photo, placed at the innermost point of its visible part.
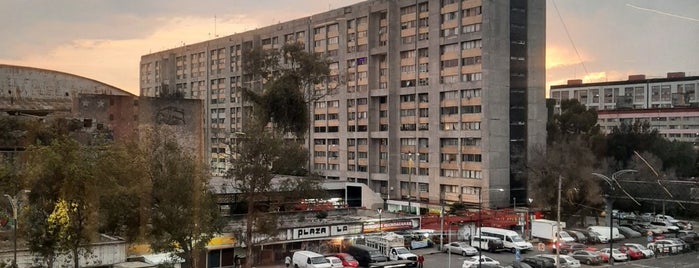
(434, 258)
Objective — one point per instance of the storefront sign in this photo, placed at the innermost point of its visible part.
(311, 232)
(345, 229)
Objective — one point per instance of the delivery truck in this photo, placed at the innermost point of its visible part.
(546, 231)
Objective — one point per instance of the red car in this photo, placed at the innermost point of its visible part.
(604, 256)
(347, 260)
(633, 253)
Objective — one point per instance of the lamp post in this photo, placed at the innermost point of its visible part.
(379, 211)
(529, 218)
(15, 206)
(410, 181)
(478, 228)
(612, 181)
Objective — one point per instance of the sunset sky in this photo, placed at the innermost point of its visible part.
(104, 39)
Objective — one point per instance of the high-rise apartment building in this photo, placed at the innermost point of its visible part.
(427, 100)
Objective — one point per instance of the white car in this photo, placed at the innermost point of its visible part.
(473, 261)
(647, 253)
(569, 261)
(665, 226)
(462, 248)
(335, 262)
(616, 254)
(566, 261)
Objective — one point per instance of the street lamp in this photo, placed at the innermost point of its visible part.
(14, 203)
(410, 179)
(612, 181)
(529, 217)
(480, 205)
(380, 211)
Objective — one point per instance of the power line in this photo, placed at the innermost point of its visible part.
(569, 38)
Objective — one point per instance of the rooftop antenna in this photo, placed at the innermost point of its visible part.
(215, 35)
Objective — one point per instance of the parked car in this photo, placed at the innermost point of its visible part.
(646, 226)
(462, 248)
(689, 237)
(569, 247)
(564, 262)
(681, 244)
(579, 236)
(647, 253)
(539, 262)
(474, 261)
(684, 225)
(615, 254)
(665, 226)
(587, 257)
(664, 246)
(347, 260)
(569, 261)
(632, 253)
(335, 262)
(647, 216)
(665, 218)
(628, 232)
(309, 259)
(591, 238)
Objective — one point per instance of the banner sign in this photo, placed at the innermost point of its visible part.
(388, 226)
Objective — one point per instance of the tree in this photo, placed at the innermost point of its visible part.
(64, 191)
(183, 214)
(286, 88)
(573, 162)
(574, 121)
(573, 138)
(253, 176)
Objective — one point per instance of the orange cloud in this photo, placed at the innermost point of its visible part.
(557, 57)
(116, 62)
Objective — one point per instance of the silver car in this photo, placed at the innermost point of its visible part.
(460, 248)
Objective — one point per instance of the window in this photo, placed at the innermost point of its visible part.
(449, 48)
(471, 77)
(450, 16)
(449, 95)
(471, 44)
(470, 12)
(471, 60)
(471, 28)
(407, 98)
(449, 64)
(449, 142)
(407, 10)
(449, 32)
(407, 54)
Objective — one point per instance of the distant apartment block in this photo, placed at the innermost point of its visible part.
(427, 101)
(669, 104)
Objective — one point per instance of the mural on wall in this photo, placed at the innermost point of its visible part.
(170, 115)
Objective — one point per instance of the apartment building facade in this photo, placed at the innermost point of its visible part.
(668, 104)
(427, 101)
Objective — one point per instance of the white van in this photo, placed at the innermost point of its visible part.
(309, 259)
(510, 239)
(604, 231)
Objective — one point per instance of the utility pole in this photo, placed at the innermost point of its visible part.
(558, 223)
